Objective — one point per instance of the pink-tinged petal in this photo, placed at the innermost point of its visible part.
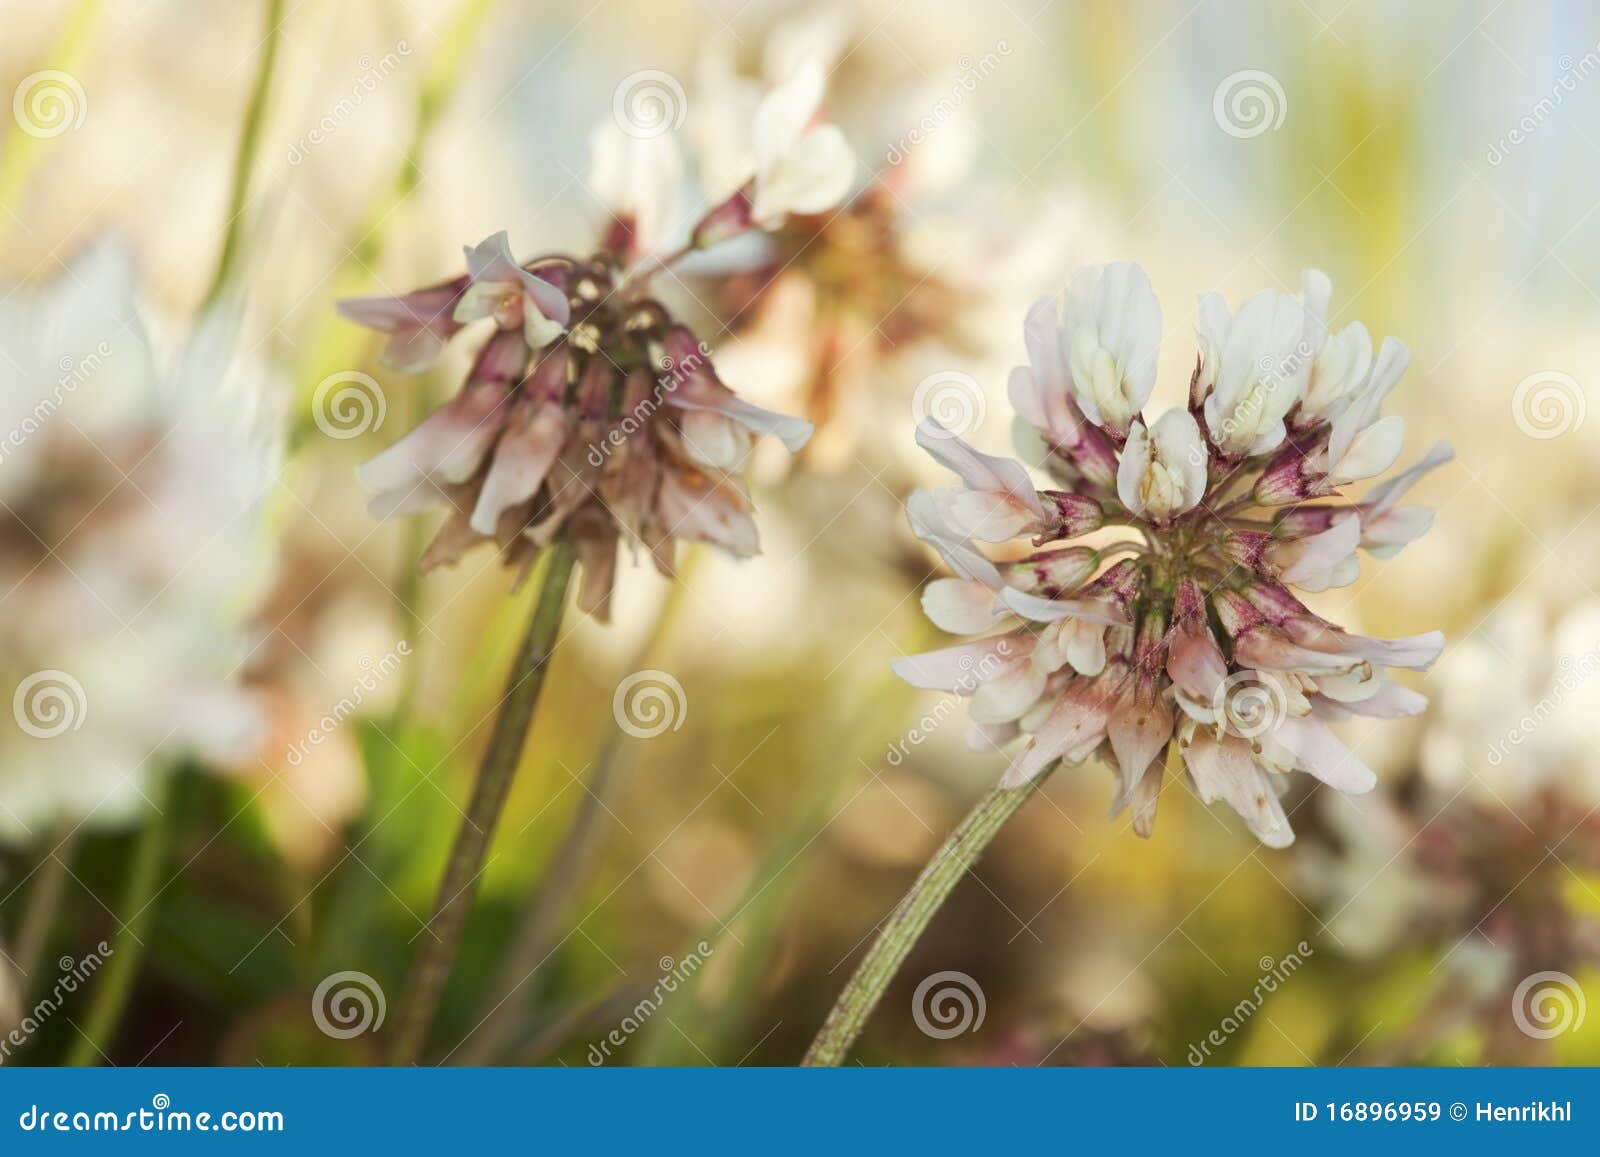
(1318, 751)
(1071, 732)
(1139, 732)
(980, 471)
(986, 515)
(1383, 497)
(409, 499)
(491, 261)
(449, 443)
(1007, 695)
(1414, 652)
(1390, 701)
(1023, 393)
(1311, 558)
(522, 458)
(928, 524)
(714, 440)
(707, 514)
(1039, 610)
(813, 177)
(1267, 649)
(1052, 573)
(1195, 665)
(1371, 452)
(792, 432)
(419, 323)
(1387, 534)
(548, 299)
(1224, 770)
(962, 667)
(1041, 334)
(960, 606)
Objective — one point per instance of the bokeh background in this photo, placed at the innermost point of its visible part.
(1441, 162)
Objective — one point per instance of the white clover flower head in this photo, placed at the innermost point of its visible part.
(1188, 632)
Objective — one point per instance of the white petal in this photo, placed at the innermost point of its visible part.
(960, 606)
(812, 177)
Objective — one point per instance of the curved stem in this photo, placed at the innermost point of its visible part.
(245, 157)
(114, 984)
(910, 917)
(431, 967)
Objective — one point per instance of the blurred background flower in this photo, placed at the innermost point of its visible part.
(1438, 163)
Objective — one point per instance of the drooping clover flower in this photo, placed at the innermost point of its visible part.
(591, 412)
(1188, 630)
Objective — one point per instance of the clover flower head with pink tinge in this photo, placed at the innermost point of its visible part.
(1188, 630)
(591, 413)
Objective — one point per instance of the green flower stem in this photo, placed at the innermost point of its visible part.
(910, 917)
(114, 983)
(442, 938)
(244, 157)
